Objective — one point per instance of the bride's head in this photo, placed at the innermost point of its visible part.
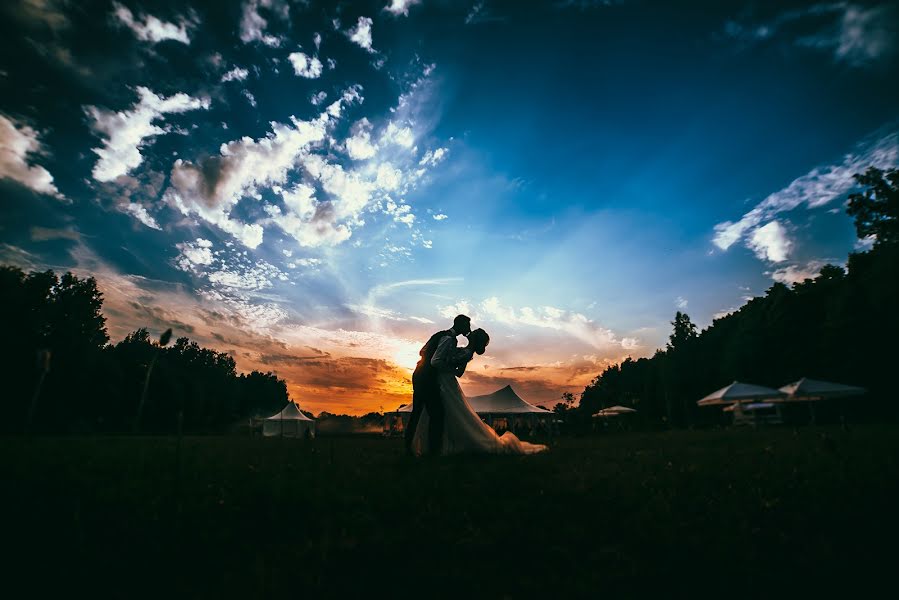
(478, 340)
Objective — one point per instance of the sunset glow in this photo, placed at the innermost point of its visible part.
(317, 188)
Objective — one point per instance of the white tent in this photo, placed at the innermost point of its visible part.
(613, 411)
(290, 422)
(740, 392)
(809, 390)
(503, 409)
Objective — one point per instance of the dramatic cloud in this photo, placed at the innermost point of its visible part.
(309, 67)
(150, 29)
(361, 34)
(235, 74)
(125, 132)
(18, 145)
(213, 187)
(253, 25)
(771, 242)
(819, 187)
(400, 7)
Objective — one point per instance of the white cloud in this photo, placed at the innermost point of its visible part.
(253, 25)
(194, 254)
(797, 273)
(771, 242)
(681, 303)
(400, 7)
(125, 132)
(258, 276)
(400, 135)
(19, 143)
(318, 98)
(250, 97)
(440, 217)
(139, 212)
(309, 67)
(817, 188)
(317, 40)
(358, 145)
(235, 74)
(150, 29)
(433, 157)
(361, 34)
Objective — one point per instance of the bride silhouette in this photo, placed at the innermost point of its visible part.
(461, 430)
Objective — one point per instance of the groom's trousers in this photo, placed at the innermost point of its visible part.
(426, 394)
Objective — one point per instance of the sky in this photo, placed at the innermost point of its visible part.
(317, 187)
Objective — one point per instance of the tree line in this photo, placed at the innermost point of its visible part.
(840, 326)
(60, 373)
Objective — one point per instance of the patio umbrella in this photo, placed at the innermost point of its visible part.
(810, 390)
(739, 392)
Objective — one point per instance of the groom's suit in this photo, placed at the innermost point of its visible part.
(426, 391)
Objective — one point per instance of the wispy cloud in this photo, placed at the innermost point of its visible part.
(819, 187)
(855, 34)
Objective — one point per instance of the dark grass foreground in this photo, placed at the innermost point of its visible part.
(732, 512)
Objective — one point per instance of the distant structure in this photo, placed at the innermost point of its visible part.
(504, 410)
(290, 422)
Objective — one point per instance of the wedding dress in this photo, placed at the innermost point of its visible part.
(463, 430)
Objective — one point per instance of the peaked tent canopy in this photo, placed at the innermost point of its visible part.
(501, 402)
(812, 389)
(738, 392)
(290, 422)
(291, 411)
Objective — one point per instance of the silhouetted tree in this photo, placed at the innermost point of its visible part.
(876, 208)
(91, 385)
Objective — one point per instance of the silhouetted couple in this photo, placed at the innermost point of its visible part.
(442, 420)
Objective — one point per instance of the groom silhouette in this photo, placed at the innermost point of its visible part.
(425, 388)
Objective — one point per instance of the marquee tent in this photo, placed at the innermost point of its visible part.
(290, 422)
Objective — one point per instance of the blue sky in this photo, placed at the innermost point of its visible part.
(315, 187)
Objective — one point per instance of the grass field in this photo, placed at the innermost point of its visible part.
(731, 512)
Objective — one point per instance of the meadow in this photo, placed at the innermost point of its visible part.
(741, 512)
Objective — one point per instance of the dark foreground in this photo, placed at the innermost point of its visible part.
(730, 512)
